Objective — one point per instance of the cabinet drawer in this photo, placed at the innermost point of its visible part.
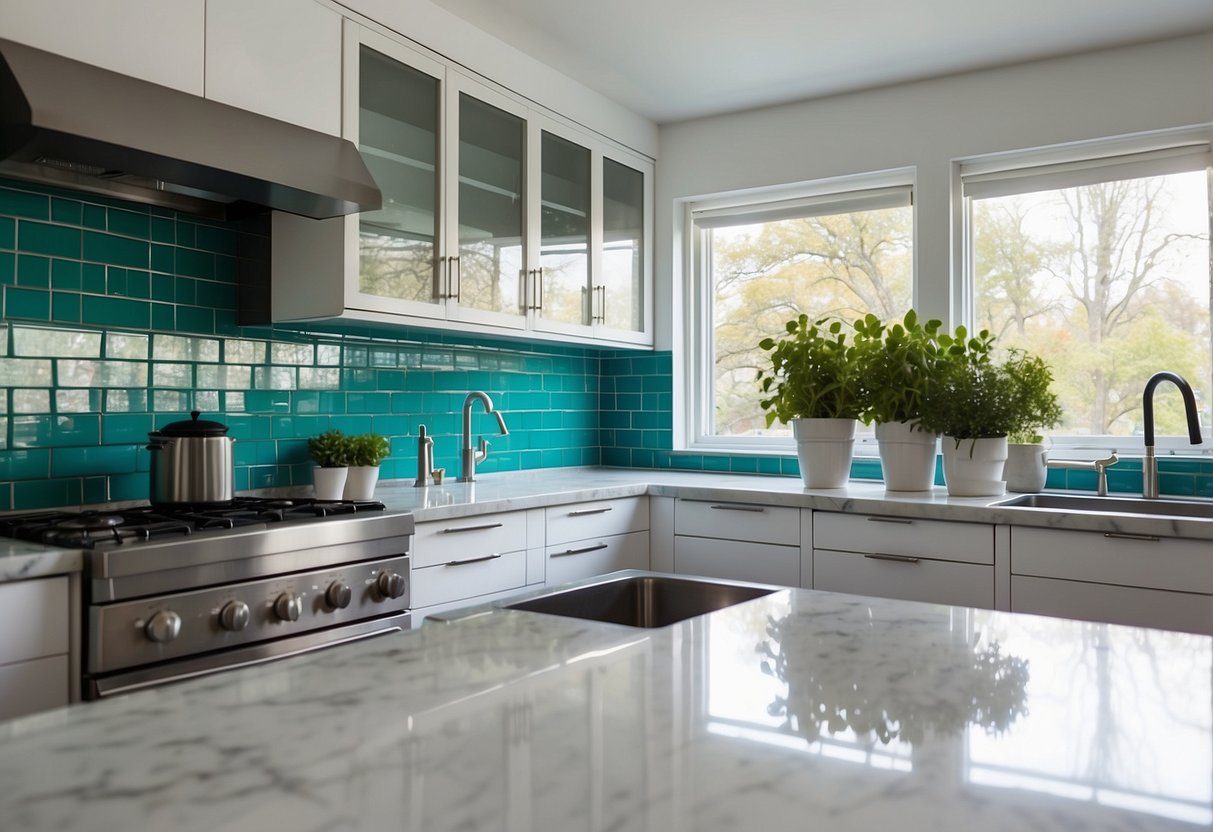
(33, 619)
(738, 521)
(441, 541)
(934, 581)
(465, 578)
(28, 687)
(597, 556)
(763, 563)
(1153, 563)
(598, 519)
(1115, 604)
(934, 539)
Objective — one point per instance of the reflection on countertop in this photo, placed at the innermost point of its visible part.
(520, 721)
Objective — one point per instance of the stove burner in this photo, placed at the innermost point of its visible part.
(91, 522)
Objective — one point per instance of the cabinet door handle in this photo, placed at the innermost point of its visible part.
(584, 511)
(457, 529)
(756, 509)
(894, 558)
(899, 520)
(567, 552)
(458, 271)
(539, 289)
(472, 560)
(1145, 538)
(444, 277)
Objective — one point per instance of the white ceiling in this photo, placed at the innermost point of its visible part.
(671, 60)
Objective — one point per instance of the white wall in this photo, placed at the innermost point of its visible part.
(927, 125)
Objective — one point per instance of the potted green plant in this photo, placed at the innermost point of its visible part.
(814, 385)
(331, 453)
(896, 363)
(367, 451)
(1036, 408)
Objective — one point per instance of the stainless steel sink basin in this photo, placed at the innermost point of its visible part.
(646, 601)
(1112, 505)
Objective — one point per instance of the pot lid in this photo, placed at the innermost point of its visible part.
(193, 427)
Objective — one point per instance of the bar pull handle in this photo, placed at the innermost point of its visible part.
(901, 521)
(567, 552)
(756, 509)
(1145, 538)
(584, 511)
(457, 529)
(458, 271)
(472, 560)
(894, 558)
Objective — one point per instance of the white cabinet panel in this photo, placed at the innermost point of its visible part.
(733, 560)
(34, 619)
(441, 541)
(873, 534)
(157, 41)
(596, 519)
(467, 578)
(738, 521)
(597, 556)
(1138, 607)
(280, 58)
(32, 686)
(1128, 560)
(935, 581)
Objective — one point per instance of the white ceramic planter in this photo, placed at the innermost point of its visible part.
(360, 484)
(907, 456)
(824, 448)
(974, 467)
(329, 482)
(1027, 468)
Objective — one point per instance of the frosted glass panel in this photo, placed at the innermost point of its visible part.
(398, 137)
(491, 145)
(565, 231)
(622, 304)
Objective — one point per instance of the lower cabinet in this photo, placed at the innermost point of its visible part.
(588, 539)
(1140, 580)
(738, 541)
(901, 557)
(467, 560)
(35, 672)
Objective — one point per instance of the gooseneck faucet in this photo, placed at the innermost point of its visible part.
(467, 456)
(1149, 468)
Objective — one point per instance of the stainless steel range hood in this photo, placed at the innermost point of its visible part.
(77, 125)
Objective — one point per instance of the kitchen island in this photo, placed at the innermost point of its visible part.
(801, 709)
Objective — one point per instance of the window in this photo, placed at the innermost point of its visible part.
(842, 250)
(1101, 265)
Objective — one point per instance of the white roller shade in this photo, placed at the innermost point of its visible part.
(847, 202)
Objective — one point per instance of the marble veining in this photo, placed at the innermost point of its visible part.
(20, 560)
(799, 710)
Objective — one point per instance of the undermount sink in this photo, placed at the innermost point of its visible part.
(645, 601)
(1112, 505)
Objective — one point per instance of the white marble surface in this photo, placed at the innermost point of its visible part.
(756, 717)
(20, 560)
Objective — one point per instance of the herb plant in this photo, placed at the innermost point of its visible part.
(813, 373)
(896, 364)
(368, 449)
(330, 449)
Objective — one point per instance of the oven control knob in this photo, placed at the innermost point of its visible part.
(234, 616)
(288, 607)
(338, 595)
(163, 627)
(391, 584)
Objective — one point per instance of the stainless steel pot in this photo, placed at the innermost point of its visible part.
(191, 463)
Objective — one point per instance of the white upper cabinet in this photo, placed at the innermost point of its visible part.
(280, 58)
(497, 218)
(157, 41)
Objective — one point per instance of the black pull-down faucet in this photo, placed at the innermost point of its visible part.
(1149, 467)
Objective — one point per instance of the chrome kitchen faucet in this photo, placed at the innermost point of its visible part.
(468, 456)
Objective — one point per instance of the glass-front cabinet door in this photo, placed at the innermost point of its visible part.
(486, 265)
(620, 307)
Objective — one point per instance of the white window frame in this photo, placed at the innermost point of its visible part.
(1053, 168)
(694, 399)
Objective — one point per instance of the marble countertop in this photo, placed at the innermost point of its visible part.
(517, 490)
(798, 710)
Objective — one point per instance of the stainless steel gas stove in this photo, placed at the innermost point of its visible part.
(176, 593)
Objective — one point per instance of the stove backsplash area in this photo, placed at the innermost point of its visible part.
(119, 317)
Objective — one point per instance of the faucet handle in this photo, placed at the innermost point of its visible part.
(1101, 473)
(482, 450)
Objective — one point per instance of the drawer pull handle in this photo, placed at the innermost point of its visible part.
(579, 551)
(455, 529)
(1146, 538)
(757, 509)
(899, 520)
(894, 558)
(472, 560)
(583, 512)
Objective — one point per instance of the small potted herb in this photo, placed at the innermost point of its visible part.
(331, 453)
(1036, 408)
(897, 363)
(814, 384)
(367, 451)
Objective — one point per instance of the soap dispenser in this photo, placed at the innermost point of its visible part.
(425, 459)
